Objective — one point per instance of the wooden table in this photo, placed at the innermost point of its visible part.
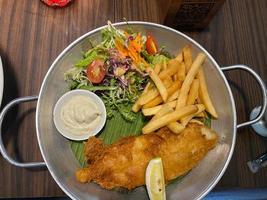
(32, 35)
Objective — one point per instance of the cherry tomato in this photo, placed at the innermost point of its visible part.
(151, 45)
(96, 71)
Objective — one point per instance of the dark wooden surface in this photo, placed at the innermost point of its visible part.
(32, 35)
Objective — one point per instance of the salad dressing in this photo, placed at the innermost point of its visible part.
(80, 115)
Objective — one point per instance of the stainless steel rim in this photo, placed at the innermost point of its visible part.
(205, 192)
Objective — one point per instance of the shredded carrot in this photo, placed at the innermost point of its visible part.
(121, 48)
(133, 50)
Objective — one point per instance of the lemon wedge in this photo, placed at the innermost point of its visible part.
(155, 183)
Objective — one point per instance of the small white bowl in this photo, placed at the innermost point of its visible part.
(65, 98)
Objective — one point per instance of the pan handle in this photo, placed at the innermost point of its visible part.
(2, 147)
(263, 91)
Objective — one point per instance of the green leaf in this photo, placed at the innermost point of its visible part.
(158, 59)
(77, 148)
(207, 120)
(126, 112)
(149, 58)
(87, 60)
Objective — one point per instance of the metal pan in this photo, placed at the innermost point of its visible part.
(56, 150)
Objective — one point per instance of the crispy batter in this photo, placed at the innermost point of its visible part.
(123, 164)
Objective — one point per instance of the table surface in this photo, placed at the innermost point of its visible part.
(32, 35)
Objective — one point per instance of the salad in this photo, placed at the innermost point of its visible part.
(115, 68)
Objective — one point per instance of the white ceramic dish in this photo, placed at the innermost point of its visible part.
(66, 97)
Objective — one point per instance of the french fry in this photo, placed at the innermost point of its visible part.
(172, 69)
(176, 127)
(181, 72)
(136, 107)
(148, 87)
(165, 109)
(157, 68)
(174, 87)
(155, 78)
(185, 120)
(173, 96)
(198, 99)
(168, 118)
(152, 93)
(196, 121)
(145, 98)
(187, 54)
(154, 110)
(179, 57)
(193, 93)
(202, 114)
(204, 95)
(167, 81)
(189, 79)
(156, 101)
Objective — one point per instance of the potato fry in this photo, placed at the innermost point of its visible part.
(181, 72)
(173, 96)
(196, 121)
(136, 107)
(189, 79)
(202, 115)
(157, 68)
(198, 99)
(156, 101)
(154, 110)
(179, 57)
(204, 95)
(147, 88)
(176, 127)
(167, 81)
(145, 98)
(185, 120)
(193, 93)
(152, 93)
(165, 109)
(187, 54)
(155, 78)
(168, 118)
(172, 69)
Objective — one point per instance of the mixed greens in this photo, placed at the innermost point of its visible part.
(115, 68)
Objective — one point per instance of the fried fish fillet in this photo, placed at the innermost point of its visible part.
(123, 164)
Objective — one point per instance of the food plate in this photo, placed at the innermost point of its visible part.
(58, 155)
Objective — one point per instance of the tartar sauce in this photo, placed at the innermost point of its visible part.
(80, 115)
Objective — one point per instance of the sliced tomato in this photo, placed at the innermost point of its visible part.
(96, 71)
(151, 45)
